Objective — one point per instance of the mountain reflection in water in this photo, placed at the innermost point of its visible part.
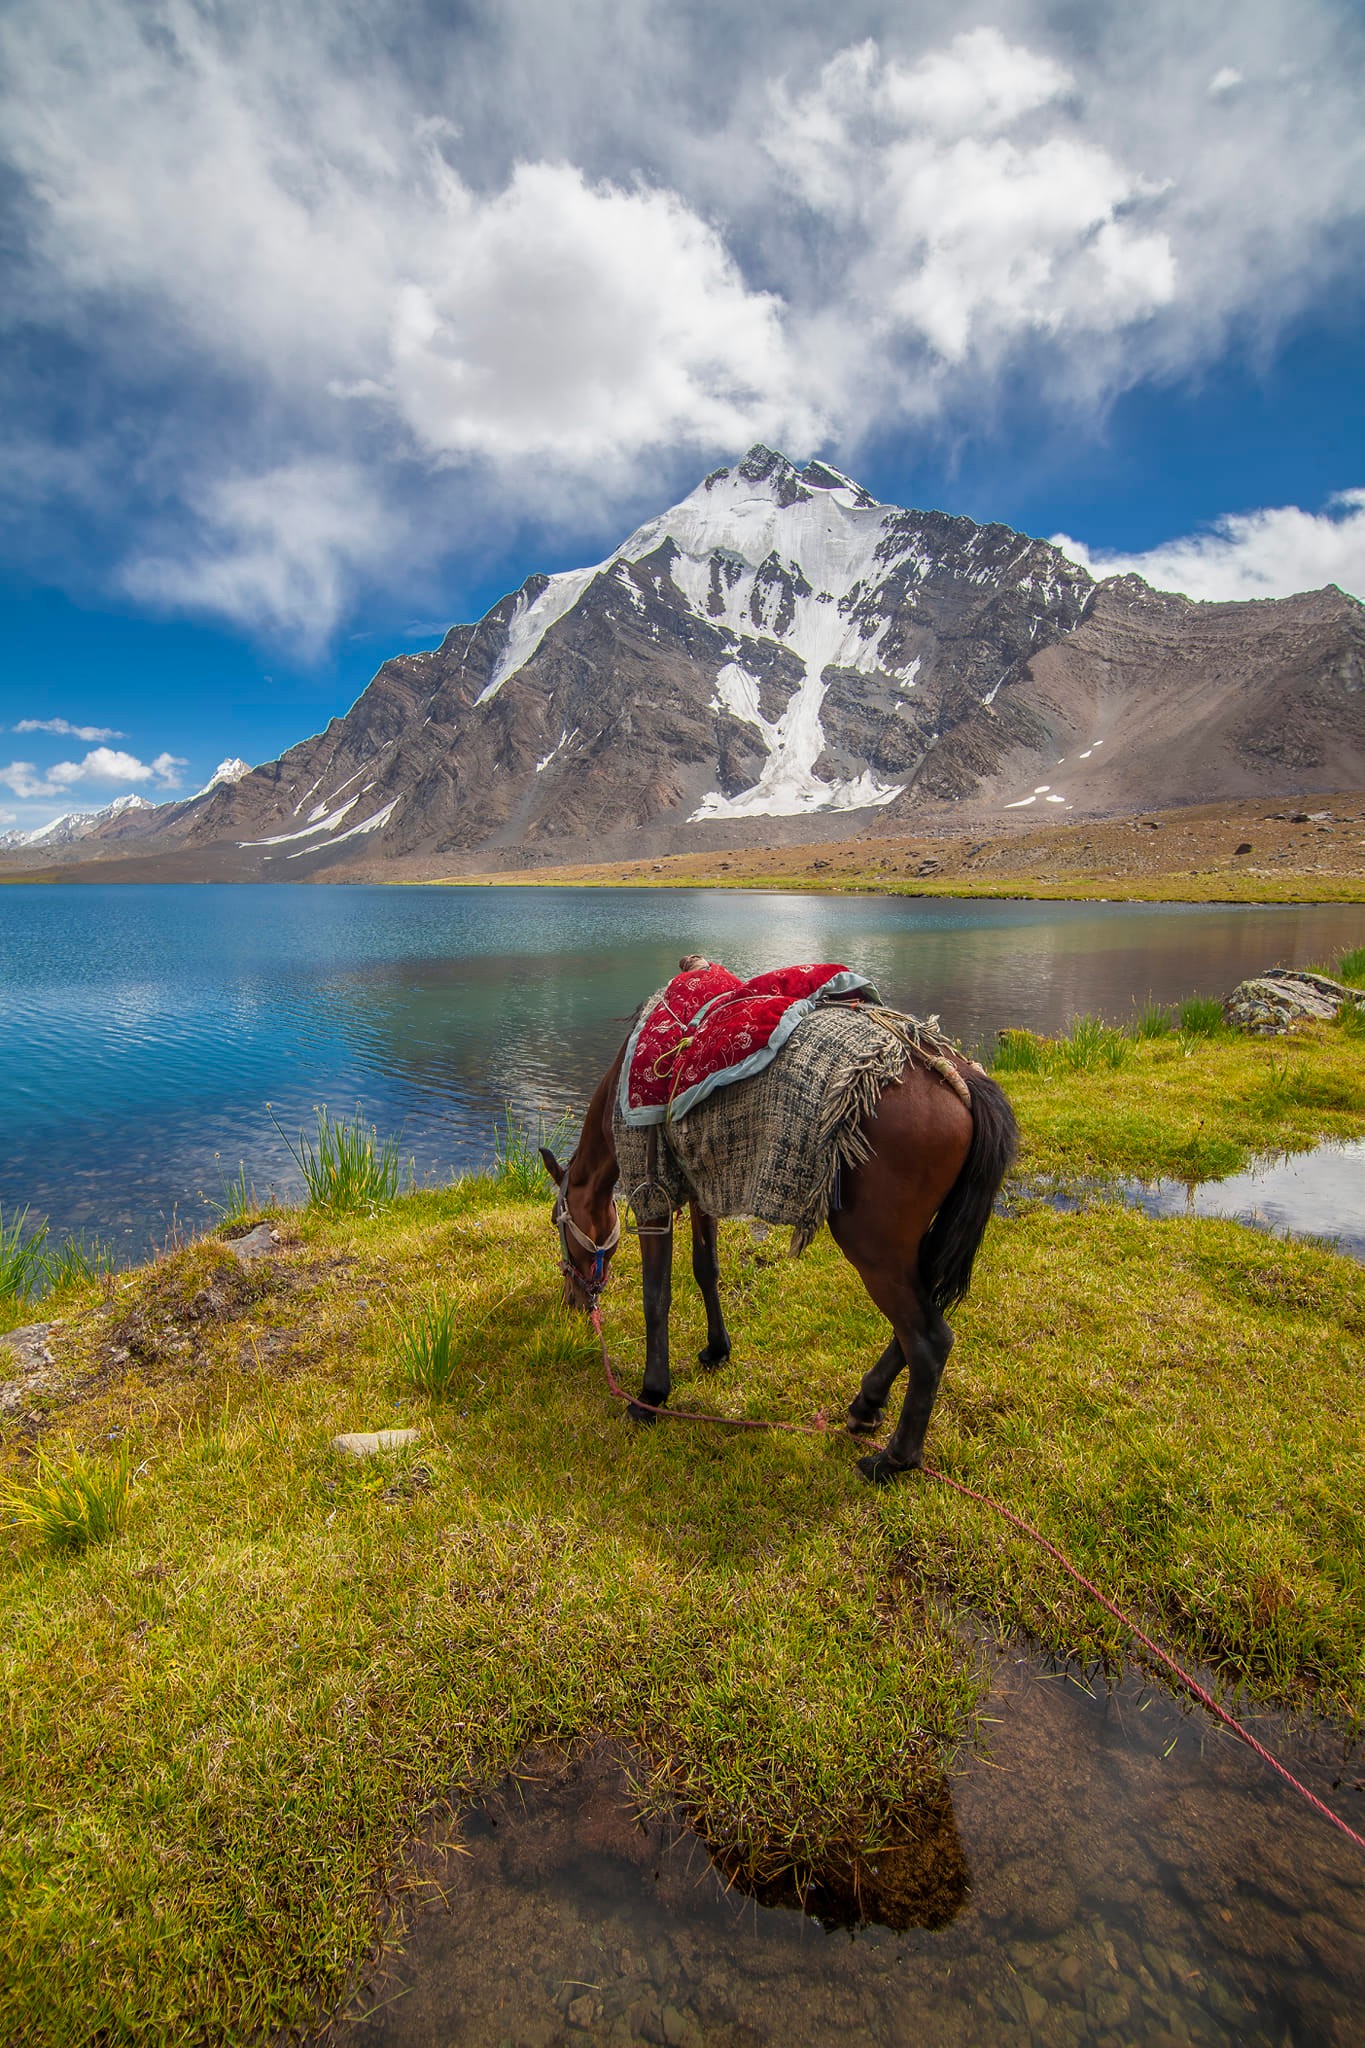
(143, 1031)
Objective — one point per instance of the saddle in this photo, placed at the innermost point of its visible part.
(709, 1029)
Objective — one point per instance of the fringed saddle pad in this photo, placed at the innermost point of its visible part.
(708, 1029)
(772, 1146)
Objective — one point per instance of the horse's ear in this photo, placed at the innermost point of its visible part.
(552, 1167)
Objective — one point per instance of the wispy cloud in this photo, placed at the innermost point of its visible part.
(102, 766)
(1269, 553)
(69, 731)
(350, 289)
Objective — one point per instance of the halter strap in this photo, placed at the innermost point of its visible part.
(567, 1228)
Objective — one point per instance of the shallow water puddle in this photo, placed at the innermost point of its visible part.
(1319, 1193)
(1109, 1870)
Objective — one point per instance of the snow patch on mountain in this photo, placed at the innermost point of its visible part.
(231, 770)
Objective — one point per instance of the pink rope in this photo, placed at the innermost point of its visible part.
(820, 1427)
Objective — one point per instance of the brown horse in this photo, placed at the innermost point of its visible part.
(910, 1219)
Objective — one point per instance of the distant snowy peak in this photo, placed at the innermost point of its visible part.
(74, 825)
(227, 771)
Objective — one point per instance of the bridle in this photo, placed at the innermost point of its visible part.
(567, 1228)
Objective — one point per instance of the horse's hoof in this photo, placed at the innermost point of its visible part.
(713, 1360)
(635, 1413)
(859, 1423)
(881, 1469)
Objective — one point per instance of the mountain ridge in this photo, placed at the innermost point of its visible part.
(777, 655)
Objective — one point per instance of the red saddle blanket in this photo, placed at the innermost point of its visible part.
(708, 1029)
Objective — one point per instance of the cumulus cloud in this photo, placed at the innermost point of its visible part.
(958, 232)
(1270, 553)
(101, 766)
(346, 286)
(64, 726)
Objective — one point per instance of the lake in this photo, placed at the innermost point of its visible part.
(145, 1030)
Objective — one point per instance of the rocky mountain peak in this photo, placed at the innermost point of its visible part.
(778, 651)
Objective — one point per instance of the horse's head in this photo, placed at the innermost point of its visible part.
(585, 1215)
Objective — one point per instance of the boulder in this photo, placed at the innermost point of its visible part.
(1272, 1003)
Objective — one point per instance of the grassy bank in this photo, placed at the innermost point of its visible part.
(223, 1723)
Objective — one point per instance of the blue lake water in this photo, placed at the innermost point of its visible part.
(144, 1031)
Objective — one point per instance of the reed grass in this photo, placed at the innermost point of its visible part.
(22, 1257)
(347, 1167)
(518, 1168)
(1351, 967)
(1201, 1017)
(236, 1200)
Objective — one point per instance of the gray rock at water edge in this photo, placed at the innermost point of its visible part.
(362, 1443)
(258, 1244)
(25, 1350)
(1270, 1004)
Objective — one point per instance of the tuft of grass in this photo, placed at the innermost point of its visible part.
(75, 1261)
(1351, 967)
(22, 1258)
(1153, 1020)
(518, 1168)
(74, 1502)
(348, 1167)
(1021, 1052)
(1091, 1043)
(236, 1199)
(429, 1348)
(1201, 1017)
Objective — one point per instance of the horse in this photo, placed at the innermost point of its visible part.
(909, 1220)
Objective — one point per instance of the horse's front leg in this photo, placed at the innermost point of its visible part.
(706, 1273)
(656, 1261)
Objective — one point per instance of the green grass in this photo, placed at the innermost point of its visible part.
(1201, 1017)
(71, 1501)
(236, 1200)
(347, 1167)
(225, 1721)
(518, 1168)
(22, 1267)
(1192, 1107)
(1351, 967)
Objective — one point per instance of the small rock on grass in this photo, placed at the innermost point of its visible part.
(368, 1443)
(257, 1244)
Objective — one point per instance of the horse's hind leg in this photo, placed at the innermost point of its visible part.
(865, 1409)
(706, 1273)
(923, 1340)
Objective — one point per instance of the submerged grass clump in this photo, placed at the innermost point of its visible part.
(348, 1167)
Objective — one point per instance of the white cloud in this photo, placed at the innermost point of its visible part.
(1270, 553)
(276, 549)
(352, 288)
(102, 765)
(63, 726)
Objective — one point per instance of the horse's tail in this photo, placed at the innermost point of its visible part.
(949, 1246)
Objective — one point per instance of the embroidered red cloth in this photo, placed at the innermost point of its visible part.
(708, 1028)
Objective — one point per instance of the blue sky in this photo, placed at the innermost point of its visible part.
(327, 324)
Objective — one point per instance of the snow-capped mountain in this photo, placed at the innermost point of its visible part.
(74, 825)
(780, 656)
(231, 770)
